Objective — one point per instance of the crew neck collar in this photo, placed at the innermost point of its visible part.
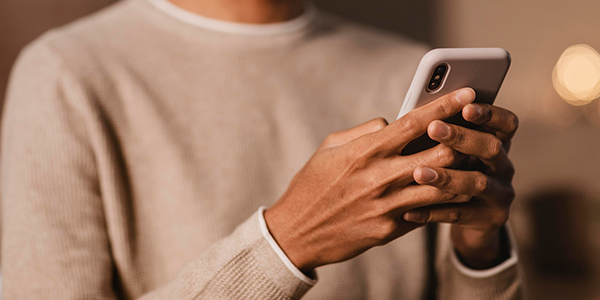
(279, 28)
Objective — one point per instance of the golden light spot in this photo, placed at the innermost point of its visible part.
(576, 76)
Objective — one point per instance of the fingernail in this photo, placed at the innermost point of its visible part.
(472, 112)
(413, 216)
(440, 130)
(427, 175)
(477, 110)
(465, 96)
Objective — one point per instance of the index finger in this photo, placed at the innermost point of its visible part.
(501, 120)
(414, 124)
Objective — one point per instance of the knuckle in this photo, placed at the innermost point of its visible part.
(495, 149)
(376, 148)
(458, 136)
(375, 186)
(455, 216)
(385, 231)
(379, 123)
(446, 156)
(360, 161)
(410, 125)
(380, 209)
(332, 138)
(446, 107)
(513, 123)
(445, 179)
(446, 196)
(364, 154)
(500, 217)
(482, 184)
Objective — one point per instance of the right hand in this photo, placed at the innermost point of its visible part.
(352, 193)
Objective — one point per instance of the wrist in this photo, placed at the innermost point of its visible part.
(284, 238)
(480, 249)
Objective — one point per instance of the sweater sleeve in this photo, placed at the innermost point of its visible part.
(457, 281)
(55, 243)
(240, 266)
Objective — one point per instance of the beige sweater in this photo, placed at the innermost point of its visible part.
(137, 149)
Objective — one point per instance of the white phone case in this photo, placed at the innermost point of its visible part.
(482, 69)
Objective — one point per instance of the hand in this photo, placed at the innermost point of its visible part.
(477, 222)
(351, 194)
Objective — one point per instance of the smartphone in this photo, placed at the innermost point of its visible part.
(445, 70)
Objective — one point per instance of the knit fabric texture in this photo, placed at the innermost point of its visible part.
(137, 148)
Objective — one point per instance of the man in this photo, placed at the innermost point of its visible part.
(139, 144)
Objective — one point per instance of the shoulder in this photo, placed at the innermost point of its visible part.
(74, 55)
(89, 41)
(113, 22)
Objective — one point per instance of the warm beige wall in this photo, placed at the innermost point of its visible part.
(21, 21)
(408, 17)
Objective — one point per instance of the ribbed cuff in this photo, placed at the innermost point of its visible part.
(509, 262)
(288, 263)
(457, 281)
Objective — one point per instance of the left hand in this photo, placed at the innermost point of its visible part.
(476, 223)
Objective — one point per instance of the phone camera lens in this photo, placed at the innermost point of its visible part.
(437, 78)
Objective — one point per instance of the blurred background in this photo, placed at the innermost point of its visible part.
(556, 216)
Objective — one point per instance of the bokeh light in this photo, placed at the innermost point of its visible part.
(576, 76)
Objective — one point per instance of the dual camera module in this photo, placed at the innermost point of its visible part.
(437, 78)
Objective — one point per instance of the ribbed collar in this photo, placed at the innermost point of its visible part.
(279, 28)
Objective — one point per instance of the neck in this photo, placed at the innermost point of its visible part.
(245, 11)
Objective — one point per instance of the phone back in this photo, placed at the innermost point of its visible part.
(482, 69)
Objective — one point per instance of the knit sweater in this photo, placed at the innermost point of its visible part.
(138, 148)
